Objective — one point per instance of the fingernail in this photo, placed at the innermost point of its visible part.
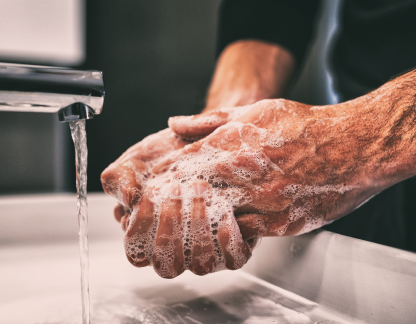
(176, 190)
(199, 188)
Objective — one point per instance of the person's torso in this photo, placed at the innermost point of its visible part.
(377, 42)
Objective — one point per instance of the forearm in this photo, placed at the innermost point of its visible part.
(380, 129)
(397, 144)
(248, 71)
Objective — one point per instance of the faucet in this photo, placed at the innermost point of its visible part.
(73, 94)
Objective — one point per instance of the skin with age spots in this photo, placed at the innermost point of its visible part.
(274, 187)
(270, 169)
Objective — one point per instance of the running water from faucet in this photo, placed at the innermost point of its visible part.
(79, 135)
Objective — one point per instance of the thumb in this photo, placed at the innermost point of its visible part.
(259, 225)
(252, 225)
(203, 124)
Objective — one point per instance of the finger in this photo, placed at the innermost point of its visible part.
(125, 221)
(139, 237)
(132, 163)
(168, 257)
(253, 242)
(236, 252)
(124, 182)
(197, 126)
(166, 163)
(252, 225)
(119, 212)
(295, 227)
(124, 178)
(153, 146)
(201, 255)
(169, 161)
(258, 225)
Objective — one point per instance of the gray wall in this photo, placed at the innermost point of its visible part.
(26, 152)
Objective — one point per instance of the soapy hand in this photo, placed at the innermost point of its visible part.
(283, 167)
(273, 168)
(124, 179)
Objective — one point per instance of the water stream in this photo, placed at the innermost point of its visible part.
(79, 135)
(248, 303)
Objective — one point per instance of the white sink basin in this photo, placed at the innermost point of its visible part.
(315, 278)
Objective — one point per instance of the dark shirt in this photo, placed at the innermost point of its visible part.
(378, 39)
(377, 42)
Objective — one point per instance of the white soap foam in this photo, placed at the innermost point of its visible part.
(249, 165)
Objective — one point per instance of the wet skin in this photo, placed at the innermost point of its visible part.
(273, 168)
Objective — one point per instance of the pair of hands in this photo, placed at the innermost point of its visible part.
(273, 168)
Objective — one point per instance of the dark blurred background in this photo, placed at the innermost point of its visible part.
(157, 58)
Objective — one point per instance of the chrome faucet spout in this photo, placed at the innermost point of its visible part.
(75, 111)
(73, 94)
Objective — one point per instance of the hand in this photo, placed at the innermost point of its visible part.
(281, 168)
(289, 165)
(124, 178)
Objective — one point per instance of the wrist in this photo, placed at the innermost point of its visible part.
(248, 71)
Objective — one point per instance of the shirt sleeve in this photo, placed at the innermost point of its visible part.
(288, 23)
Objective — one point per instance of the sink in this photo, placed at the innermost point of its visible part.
(318, 277)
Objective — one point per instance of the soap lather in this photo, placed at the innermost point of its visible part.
(73, 94)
